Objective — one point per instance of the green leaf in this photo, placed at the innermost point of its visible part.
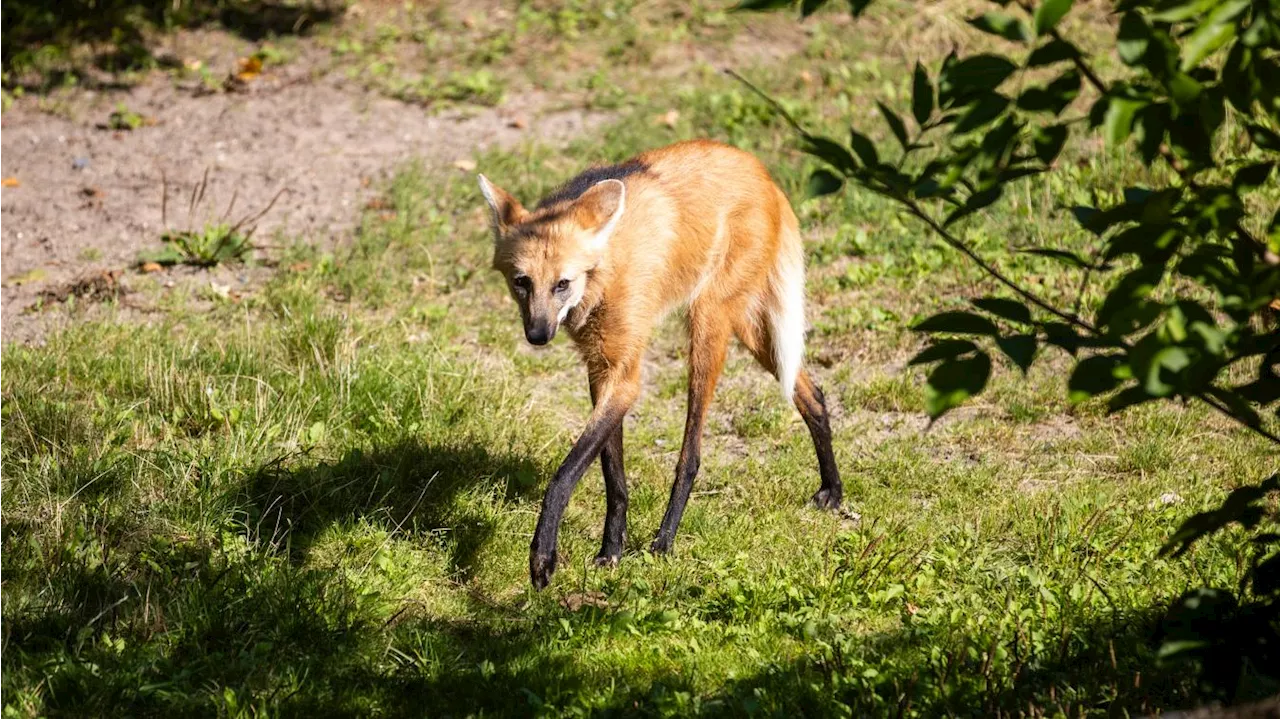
(1204, 41)
(1094, 376)
(1150, 361)
(1251, 176)
(829, 151)
(1149, 127)
(1119, 119)
(1018, 173)
(1263, 137)
(857, 7)
(987, 109)
(954, 381)
(824, 182)
(943, 350)
(1125, 305)
(1055, 50)
(1049, 13)
(1178, 10)
(865, 149)
(1098, 111)
(761, 5)
(167, 255)
(921, 95)
(1127, 398)
(895, 124)
(315, 433)
(1005, 308)
(976, 201)
(1146, 242)
(1048, 142)
(1185, 90)
(959, 322)
(1002, 25)
(1055, 97)
(1020, 349)
(979, 72)
(1063, 256)
(1260, 32)
(1213, 33)
(1133, 38)
(1240, 78)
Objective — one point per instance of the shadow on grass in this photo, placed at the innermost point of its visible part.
(409, 488)
(205, 635)
(40, 38)
(118, 616)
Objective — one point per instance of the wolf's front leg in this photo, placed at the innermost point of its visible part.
(615, 494)
(617, 395)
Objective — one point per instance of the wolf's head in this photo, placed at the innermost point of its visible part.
(545, 254)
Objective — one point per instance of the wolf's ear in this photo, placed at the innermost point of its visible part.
(504, 210)
(600, 208)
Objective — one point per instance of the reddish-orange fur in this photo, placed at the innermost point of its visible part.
(701, 224)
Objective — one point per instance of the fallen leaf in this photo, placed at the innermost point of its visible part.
(806, 77)
(465, 165)
(300, 267)
(92, 192)
(518, 123)
(27, 277)
(10, 182)
(669, 118)
(377, 203)
(192, 65)
(149, 267)
(248, 68)
(912, 609)
(223, 291)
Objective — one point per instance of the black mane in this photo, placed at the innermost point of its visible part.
(574, 188)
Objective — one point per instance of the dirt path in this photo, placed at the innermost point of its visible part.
(89, 198)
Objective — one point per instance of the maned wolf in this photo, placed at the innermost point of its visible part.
(608, 254)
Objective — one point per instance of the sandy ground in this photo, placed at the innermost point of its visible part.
(89, 198)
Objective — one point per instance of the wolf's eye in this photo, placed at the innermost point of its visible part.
(522, 283)
(562, 285)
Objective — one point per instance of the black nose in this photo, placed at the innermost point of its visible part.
(538, 334)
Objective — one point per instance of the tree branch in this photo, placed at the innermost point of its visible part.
(990, 269)
(1214, 403)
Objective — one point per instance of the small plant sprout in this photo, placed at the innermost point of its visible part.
(214, 242)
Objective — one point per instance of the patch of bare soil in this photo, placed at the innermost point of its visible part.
(89, 199)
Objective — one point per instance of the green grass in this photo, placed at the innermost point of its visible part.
(319, 500)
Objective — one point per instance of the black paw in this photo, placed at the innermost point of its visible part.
(541, 567)
(827, 499)
(661, 544)
(605, 559)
